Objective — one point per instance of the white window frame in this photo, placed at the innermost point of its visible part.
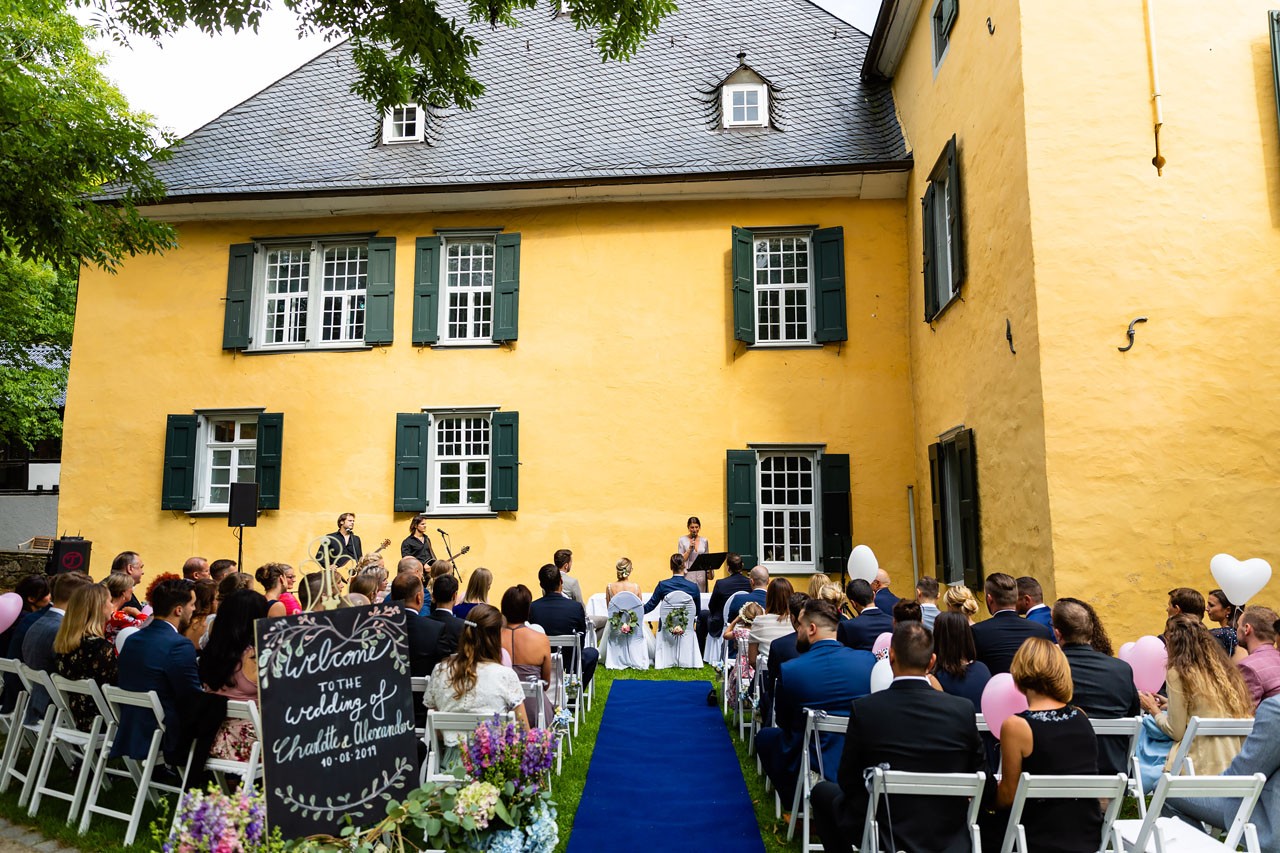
(393, 127)
(314, 295)
(726, 104)
(781, 288)
(944, 200)
(814, 507)
(435, 461)
(449, 289)
(938, 37)
(206, 447)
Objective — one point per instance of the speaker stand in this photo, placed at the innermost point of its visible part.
(239, 534)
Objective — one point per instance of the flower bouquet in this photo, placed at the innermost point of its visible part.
(677, 621)
(214, 822)
(623, 622)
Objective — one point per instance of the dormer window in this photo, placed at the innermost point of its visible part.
(745, 105)
(404, 123)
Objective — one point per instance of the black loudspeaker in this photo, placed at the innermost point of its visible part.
(70, 554)
(244, 505)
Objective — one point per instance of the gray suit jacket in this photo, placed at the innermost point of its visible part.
(572, 589)
(37, 653)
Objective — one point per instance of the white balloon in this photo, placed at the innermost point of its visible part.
(881, 675)
(125, 633)
(863, 564)
(1241, 580)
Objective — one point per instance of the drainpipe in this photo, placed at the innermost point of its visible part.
(1154, 65)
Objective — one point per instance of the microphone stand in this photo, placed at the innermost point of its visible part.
(444, 537)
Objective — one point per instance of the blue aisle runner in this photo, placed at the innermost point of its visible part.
(664, 776)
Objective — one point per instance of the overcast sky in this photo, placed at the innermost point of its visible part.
(192, 78)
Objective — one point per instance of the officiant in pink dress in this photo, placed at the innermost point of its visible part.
(689, 547)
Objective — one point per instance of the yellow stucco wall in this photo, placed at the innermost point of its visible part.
(629, 386)
(963, 372)
(1163, 456)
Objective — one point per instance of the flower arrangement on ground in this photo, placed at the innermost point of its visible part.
(214, 822)
(623, 622)
(677, 621)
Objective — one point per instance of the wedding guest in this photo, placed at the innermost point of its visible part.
(1101, 686)
(676, 583)
(311, 592)
(775, 622)
(906, 610)
(959, 599)
(474, 680)
(860, 632)
(739, 630)
(999, 638)
(477, 591)
(157, 580)
(417, 544)
(219, 569)
(884, 598)
(375, 573)
(559, 615)
(1219, 609)
(736, 580)
(1186, 601)
(908, 727)
(1051, 737)
(563, 560)
(367, 584)
(231, 581)
(196, 569)
(690, 547)
(120, 588)
(1261, 668)
(623, 584)
(834, 594)
(80, 649)
(229, 667)
(424, 634)
(1099, 640)
(958, 670)
(129, 563)
(1031, 601)
(816, 582)
(784, 649)
(274, 578)
(444, 594)
(1201, 682)
(530, 651)
(37, 645)
(34, 590)
(927, 598)
(206, 604)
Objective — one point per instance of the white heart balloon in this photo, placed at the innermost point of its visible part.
(1241, 580)
(863, 564)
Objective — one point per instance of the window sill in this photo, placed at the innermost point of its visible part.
(331, 348)
(465, 345)
(955, 297)
(790, 570)
(785, 345)
(445, 514)
(208, 513)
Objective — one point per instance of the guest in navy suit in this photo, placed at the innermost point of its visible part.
(860, 633)
(885, 599)
(559, 615)
(160, 658)
(1031, 602)
(999, 638)
(735, 581)
(676, 583)
(759, 580)
(444, 594)
(13, 684)
(826, 676)
(781, 650)
(424, 634)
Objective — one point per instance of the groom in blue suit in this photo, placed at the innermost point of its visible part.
(826, 676)
(676, 583)
(159, 658)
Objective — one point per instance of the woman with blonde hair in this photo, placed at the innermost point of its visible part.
(477, 592)
(819, 582)
(832, 593)
(120, 587)
(623, 583)
(959, 599)
(81, 649)
(1202, 682)
(1052, 737)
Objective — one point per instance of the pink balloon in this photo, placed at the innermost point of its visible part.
(146, 610)
(1001, 699)
(1126, 651)
(1150, 660)
(881, 645)
(10, 609)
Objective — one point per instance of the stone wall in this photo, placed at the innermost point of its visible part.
(16, 565)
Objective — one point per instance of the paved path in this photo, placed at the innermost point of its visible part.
(20, 839)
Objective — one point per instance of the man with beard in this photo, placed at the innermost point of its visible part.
(160, 658)
(341, 542)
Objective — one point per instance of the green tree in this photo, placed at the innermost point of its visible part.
(64, 132)
(406, 51)
(37, 304)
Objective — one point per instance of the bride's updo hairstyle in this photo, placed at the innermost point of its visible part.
(624, 568)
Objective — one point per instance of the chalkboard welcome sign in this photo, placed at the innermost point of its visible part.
(337, 717)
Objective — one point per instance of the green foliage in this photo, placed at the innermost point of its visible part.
(405, 52)
(37, 305)
(64, 132)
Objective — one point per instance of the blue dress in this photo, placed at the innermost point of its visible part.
(970, 686)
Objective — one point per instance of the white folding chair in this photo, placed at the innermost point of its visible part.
(143, 773)
(815, 724)
(249, 770)
(83, 746)
(677, 650)
(749, 700)
(17, 734)
(39, 733)
(589, 692)
(534, 690)
(981, 723)
(440, 723)
(570, 648)
(893, 782)
(1052, 787)
(418, 685)
(1202, 727)
(1131, 728)
(626, 651)
(1156, 834)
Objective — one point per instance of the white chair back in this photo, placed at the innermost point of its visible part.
(815, 724)
(1131, 728)
(569, 647)
(250, 769)
(440, 723)
(626, 651)
(534, 691)
(1169, 835)
(1052, 787)
(891, 782)
(79, 747)
(678, 650)
(1201, 727)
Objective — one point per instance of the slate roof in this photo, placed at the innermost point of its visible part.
(552, 112)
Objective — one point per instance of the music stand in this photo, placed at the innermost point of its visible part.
(708, 562)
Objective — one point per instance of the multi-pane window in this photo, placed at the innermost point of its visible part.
(460, 462)
(943, 225)
(403, 124)
(314, 294)
(230, 456)
(468, 290)
(953, 474)
(943, 20)
(745, 105)
(787, 509)
(782, 289)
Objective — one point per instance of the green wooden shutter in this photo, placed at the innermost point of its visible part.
(235, 321)
(828, 267)
(504, 495)
(930, 267)
(506, 288)
(837, 517)
(178, 489)
(380, 291)
(426, 291)
(940, 563)
(412, 434)
(1274, 18)
(740, 494)
(955, 216)
(744, 288)
(270, 448)
(970, 540)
